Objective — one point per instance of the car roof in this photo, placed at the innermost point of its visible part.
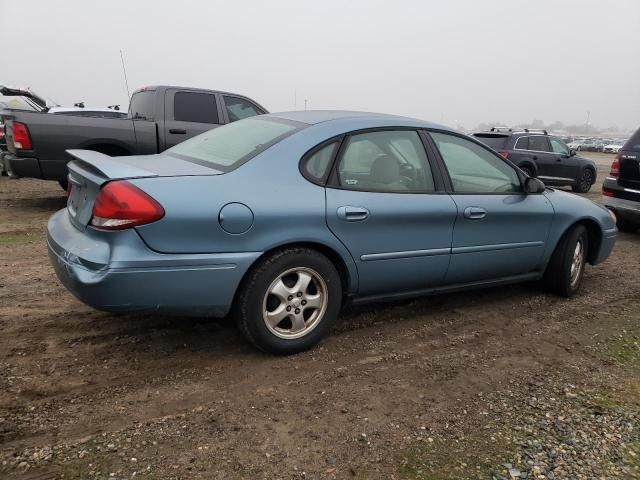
(312, 117)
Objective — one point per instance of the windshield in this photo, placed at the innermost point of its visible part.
(225, 148)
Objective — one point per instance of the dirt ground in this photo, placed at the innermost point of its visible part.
(439, 387)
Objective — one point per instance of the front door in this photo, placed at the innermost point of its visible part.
(500, 231)
(565, 166)
(383, 205)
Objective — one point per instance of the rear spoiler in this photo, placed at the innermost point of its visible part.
(109, 167)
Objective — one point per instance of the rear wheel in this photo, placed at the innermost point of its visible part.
(566, 267)
(528, 170)
(289, 301)
(584, 182)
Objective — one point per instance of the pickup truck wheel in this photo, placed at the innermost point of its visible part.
(566, 267)
(289, 301)
(584, 182)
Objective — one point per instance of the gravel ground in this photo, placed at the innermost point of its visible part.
(500, 383)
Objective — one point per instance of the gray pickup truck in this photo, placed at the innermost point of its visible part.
(159, 117)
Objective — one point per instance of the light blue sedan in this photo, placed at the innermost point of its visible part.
(283, 218)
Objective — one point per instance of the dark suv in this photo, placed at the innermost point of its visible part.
(621, 189)
(541, 155)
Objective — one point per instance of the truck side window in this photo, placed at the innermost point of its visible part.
(195, 107)
(239, 108)
(143, 105)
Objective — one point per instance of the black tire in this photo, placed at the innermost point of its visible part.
(627, 226)
(558, 276)
(528, 170)
(585, 181)
(64, 184)
(253, 299)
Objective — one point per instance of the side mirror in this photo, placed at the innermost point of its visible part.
(572, 152)
(533, 185)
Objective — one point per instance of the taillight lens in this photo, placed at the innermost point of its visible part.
(615, 167)
(504, 154)
(21, 138)
(607, 193)
(121, 205)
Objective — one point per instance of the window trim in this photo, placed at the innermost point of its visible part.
(332, 180)
(447, 176)
(528, 149)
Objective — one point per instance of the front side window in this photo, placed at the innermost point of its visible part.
(226, 147)
(195, 107)
(385, 161)
(474, 169)
(558, 146)
(539, 144)
(239, 108)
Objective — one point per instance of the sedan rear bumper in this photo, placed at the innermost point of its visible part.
(116, 271)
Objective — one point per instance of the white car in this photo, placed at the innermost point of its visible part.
(612, 147)
(575, 145)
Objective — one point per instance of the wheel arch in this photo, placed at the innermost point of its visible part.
(594, 236)
(346, 270)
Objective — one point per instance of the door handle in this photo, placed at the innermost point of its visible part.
(475, 213)
(352, 214)
(178, 131)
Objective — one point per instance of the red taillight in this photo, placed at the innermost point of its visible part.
(21, 138)
(607, 193)
(121, 205)
(504, 154)
(615, 167)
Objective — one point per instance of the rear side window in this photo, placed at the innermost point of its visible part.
(316, 165)
(227, 147)
(143, 106)
(195, 107)
(633, 144)
(385, 161)
(539, 144)
(522, 143)
(494, 141)
(239, 108)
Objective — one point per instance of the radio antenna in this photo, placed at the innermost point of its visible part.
(126, 82)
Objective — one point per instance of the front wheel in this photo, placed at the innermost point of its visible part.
(566, 267)
(289, 301)
(584, 182)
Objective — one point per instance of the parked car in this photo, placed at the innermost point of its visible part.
(158, 118)
(613, 147)
(541, 155)
(285, 216)
(621, 189)
(575, 144)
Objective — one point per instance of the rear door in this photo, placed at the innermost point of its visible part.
(500, 231)
(386, 205)
(189, 113)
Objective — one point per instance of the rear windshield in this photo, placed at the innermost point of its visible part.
(633, 144)
(227, 147)
(493, 141)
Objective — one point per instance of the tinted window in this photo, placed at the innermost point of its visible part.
(225, 147)
(522, 143)
(558, 146)
(474, 169)
(388, 161)
(142, 105)
(318, 163)
(239, 108)
(195, 107)
(494, 141)
(633, 144)
(539, 144)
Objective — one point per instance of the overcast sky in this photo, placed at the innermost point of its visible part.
(455, 61)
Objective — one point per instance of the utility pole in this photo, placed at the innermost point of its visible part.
(587, 124)
(305, 103)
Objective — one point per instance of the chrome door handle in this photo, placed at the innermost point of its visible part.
(475, 213)
(352, 214)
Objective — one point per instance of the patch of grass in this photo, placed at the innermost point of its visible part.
(469, 458)
(13, 238)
